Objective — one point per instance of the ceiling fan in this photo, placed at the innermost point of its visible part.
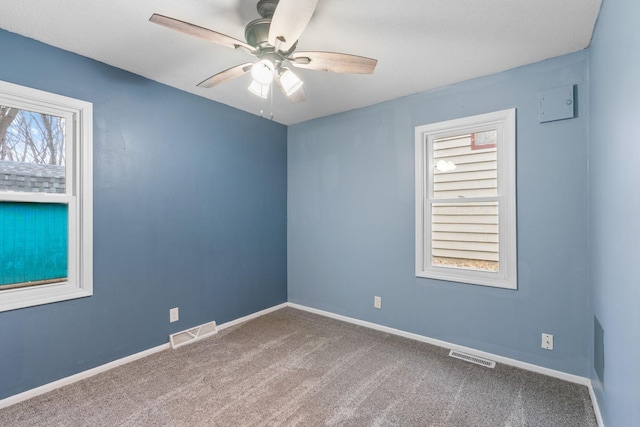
(273, 40)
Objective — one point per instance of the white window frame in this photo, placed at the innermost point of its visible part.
(505, 123)
(78, 195)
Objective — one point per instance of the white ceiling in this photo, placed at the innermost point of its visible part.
(420, 44)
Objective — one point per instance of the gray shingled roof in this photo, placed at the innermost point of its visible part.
(31, 177)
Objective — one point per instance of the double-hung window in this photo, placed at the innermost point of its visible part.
(466, 200)
(46, 247)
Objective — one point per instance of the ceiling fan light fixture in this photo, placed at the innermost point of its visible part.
(259, 89)
(262, 72)
(290, 82)
(273, 40)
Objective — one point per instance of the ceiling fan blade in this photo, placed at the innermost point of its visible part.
(226, 75)
(200, 32)
(333, 62)
(289, 21)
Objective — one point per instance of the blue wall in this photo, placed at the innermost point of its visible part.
(351, 220)
(615, 208)
(189, 212)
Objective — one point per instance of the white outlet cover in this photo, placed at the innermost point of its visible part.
(547, 341)
(377, 302)
(174, 315)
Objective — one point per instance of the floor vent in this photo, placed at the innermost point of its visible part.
(192, 335)
(473, 359)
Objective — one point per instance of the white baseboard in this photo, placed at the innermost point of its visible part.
(11, 400)
(16, 398)
(596, 407)
(505, 360)
(252, 316)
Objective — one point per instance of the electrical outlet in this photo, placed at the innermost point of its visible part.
(377, 302)
(174, 315)
(547, 341)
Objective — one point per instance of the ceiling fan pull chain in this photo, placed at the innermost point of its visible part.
(271, 96)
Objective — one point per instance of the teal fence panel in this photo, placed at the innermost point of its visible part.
(33, 242)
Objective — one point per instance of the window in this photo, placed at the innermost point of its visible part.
(46, 239)
(466, 200)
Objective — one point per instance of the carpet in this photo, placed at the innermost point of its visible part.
(294, 368)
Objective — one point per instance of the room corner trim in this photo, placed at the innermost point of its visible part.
(594, 403)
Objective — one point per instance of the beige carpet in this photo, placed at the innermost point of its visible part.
(293, 368)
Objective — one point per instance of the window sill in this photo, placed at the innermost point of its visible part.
(12, 299)
(494, 280)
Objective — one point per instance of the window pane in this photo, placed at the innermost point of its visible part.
(465, 235)
(465, 166)
(33, 243)
(32, 151)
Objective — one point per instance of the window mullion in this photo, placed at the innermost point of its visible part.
(34, 197)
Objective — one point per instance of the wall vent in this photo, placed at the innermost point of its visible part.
(192, 335)
(473, 359)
